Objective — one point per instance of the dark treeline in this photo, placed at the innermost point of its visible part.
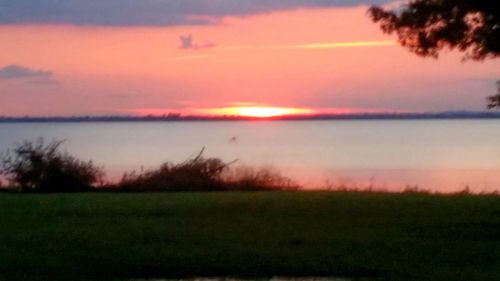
(179, 117)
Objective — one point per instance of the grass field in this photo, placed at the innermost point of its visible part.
(367, 236)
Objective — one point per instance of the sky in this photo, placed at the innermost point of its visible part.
(138, 57)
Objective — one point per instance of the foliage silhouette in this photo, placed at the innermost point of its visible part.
(494, 101)
(250, 179)
(203, 174)
(40, 167)
(426, 27)
(193, 174)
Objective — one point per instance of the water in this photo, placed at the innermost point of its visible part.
(440, 155)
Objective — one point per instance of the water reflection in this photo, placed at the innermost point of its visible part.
(441, 155)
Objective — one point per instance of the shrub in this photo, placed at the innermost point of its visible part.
(249, 179)
(195, 174)
(203, 174)
(39, 167)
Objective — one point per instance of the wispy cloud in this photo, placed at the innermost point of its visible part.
(21, 72)
(150, 12)
(335, 45)
(321, 45)
(14, 71)
(307, 46)
(187, 43)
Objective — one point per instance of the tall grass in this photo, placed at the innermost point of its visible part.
(39, 167)
(204, 174)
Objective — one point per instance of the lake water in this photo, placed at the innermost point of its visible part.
(440, 155)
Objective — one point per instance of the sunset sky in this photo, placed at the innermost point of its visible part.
(116, 57)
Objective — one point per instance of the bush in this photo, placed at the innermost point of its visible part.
(249, 179)
(39, 167)
(195, 174)
(203, 174)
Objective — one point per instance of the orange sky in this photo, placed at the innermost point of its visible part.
(308, 59)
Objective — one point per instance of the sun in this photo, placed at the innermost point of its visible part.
(263, 112)
(259, 111)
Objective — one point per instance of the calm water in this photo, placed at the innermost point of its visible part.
(442, 155)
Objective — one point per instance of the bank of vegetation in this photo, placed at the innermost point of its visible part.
(45, 167)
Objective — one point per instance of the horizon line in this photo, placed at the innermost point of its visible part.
(315, 116)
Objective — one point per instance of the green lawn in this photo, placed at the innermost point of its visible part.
(370, 236)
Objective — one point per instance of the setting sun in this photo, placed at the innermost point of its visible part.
(259, 111)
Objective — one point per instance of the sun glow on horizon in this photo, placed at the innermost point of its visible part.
(259, 111)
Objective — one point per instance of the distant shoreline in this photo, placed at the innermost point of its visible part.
(449, 115)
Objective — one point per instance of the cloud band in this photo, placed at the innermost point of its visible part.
(149, 12)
